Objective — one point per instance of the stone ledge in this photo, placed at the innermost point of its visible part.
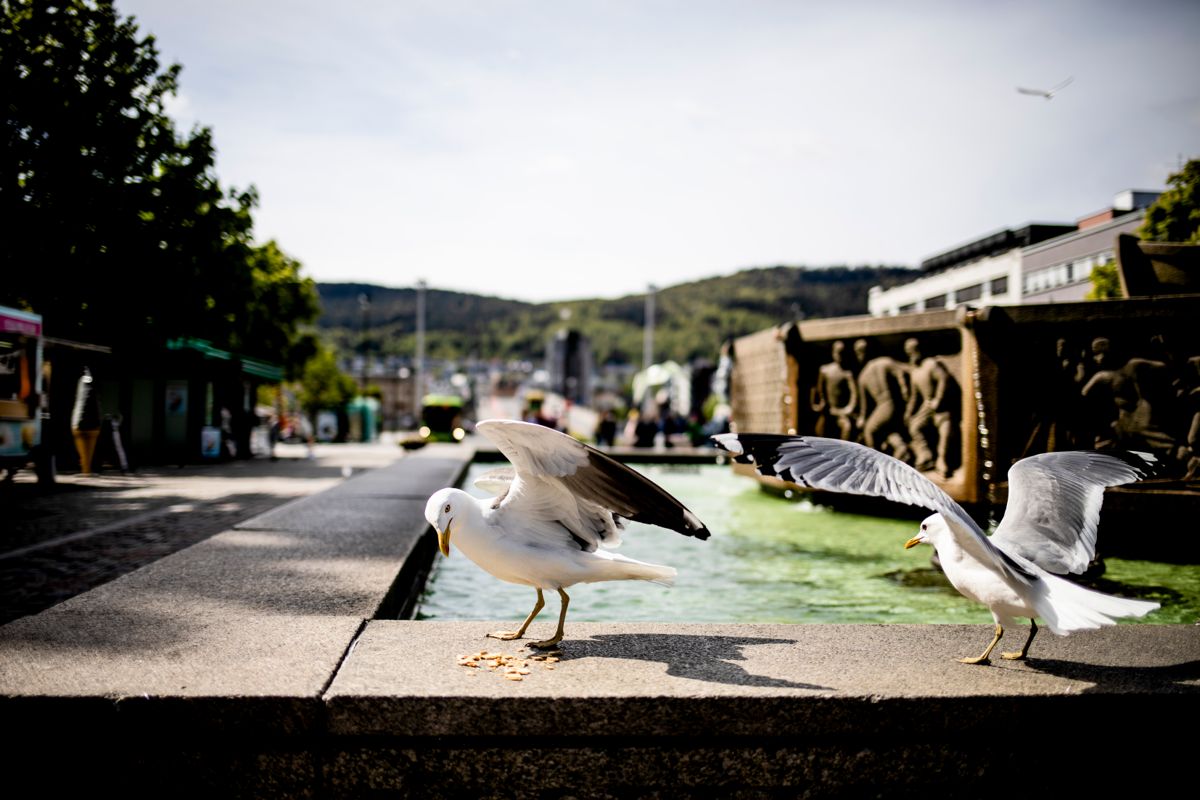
(401, 678)
(639, 709)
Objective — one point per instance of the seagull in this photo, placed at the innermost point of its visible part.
(1046, 93)
(559, 510)
(1049, 528)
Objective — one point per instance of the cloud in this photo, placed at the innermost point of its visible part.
(543, 150)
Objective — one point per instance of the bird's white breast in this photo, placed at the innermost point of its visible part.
(981, 582)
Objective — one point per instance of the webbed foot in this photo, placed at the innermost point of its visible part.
(505, 635)
(975, 660)
(547, 644)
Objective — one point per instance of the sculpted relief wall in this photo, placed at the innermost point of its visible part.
(961, 395)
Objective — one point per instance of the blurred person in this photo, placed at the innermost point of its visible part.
(85, 420)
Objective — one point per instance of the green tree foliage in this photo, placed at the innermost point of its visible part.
(323, 385)
(1175, 215)
(104, 203)
(1106, 282)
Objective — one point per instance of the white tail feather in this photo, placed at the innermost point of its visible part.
(623, 568)
(1065, 606)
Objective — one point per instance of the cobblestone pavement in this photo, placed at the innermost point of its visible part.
(87, 530)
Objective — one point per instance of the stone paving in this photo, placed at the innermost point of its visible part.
(88, 530)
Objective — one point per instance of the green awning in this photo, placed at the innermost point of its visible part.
(250, 366)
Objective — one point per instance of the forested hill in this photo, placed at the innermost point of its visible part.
(691, 319)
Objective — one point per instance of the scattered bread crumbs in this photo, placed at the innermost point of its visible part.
(512, 667)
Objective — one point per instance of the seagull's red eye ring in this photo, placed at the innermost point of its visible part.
(447, 508)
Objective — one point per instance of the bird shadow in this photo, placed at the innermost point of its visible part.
(1106, 678)
(702, 658)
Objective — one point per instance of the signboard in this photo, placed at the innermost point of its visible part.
(210, 442)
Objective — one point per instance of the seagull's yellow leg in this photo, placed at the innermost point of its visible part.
(517, 634)
(1025, 649)
(983, 659)
(558, 634)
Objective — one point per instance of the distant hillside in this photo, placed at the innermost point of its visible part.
(691, 319)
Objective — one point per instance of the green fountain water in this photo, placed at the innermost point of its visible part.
(773, 560)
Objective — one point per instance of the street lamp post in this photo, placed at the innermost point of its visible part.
(648, 332)
(419, 359)
(364, 303)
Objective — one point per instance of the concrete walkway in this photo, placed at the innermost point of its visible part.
(268, 660)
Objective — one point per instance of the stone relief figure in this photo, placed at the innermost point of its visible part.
(1142, 402)
(1100, 394)
(883, 396)
(1190, 388)
(1147, 402)
(932, 408)
(835, 395)
(1055, 426)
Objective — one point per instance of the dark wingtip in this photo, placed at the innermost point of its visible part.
(1146, 465)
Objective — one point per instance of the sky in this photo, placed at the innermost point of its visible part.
(555, 149)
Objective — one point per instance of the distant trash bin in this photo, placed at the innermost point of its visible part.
(363, 413)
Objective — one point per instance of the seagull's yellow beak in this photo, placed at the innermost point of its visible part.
(444, 541)
(913, 542)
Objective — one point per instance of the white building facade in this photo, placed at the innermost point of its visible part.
(1036, 264)
(991, 280)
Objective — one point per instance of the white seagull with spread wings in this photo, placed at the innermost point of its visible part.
(1050, 526)
(556, 514)
(1046, 93)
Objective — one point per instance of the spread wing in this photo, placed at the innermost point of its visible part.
(1054, 505)
(839, 466)
(563, 480)
(496, 481)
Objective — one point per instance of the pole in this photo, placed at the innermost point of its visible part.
(364, 302)
(419, 360)
(648, 332)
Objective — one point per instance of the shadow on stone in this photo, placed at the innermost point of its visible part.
(1106, 678)
(701, 658)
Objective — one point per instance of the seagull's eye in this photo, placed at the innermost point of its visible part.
(924, 527)
(447, 508)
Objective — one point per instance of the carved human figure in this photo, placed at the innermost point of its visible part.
(1148, 403)
(1133, 403)
(1055, 426)
(929, 406)
(883, 395)
(835, 395)
(1191, 384)
(1100, 394)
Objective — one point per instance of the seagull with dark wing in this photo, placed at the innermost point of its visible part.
(1046, 93)
(558, 513)
(1048, 530)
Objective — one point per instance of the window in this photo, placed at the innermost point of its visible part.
(937, 301)
(968, 294)
(1000, 285)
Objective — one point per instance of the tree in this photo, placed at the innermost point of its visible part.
(104, 203)
(323, 385)
(1106, 282)
(1175, 215)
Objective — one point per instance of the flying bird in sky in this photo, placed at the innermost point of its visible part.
(1046, 93)
(558, 512)
(1049, 527)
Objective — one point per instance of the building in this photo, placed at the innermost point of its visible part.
(569, 365)
(1037, 263)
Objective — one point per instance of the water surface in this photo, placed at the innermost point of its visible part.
(771, 560)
